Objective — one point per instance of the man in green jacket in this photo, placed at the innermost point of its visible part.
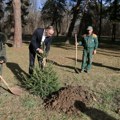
(90, 44)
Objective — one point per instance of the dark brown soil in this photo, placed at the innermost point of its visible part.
(70, 99)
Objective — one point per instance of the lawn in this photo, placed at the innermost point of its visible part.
(104, 80)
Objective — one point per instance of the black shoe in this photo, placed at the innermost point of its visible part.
(87, 71)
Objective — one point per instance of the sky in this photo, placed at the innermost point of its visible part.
(40, 3)
(37, 4)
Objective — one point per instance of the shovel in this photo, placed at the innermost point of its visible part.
(14, 90)
(76, 70)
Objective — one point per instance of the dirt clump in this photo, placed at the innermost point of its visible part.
(70, 99)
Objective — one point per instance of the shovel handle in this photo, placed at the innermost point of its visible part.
(4, 82)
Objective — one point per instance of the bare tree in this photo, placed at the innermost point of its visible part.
(75, 10)
(17, 22)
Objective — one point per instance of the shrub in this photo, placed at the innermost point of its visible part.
(42, 82)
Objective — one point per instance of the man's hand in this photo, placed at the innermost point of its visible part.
(39, 50)
(1, 62)
(94, 52)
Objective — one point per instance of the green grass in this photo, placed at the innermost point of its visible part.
(28, 102)
(111, 99)
(103, 80)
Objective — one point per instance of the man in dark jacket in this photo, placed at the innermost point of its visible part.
(40, 44)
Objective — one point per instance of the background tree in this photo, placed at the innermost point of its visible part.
(65, 13)
(53, 13)
(114, 16)
(23, 11)
(1, 14)
(17, 23)
(1, 9)
(75, 12)
(86, 16)
(100, 20)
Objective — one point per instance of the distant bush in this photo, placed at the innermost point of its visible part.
(42, 82)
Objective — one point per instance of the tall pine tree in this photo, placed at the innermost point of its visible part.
(10, 22)
(53, 13)
(114, 16)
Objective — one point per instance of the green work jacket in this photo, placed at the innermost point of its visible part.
(89, 41)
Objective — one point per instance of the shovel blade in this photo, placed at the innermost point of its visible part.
(16, 90)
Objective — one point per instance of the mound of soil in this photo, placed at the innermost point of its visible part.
(70, 99)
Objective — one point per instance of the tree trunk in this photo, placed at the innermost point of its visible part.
(68, 23)
(81, 26)
(58, 27)
(100, 22)
(17, 23)
(75, 15)
(114, 19)
(113, 32)
(86, 20)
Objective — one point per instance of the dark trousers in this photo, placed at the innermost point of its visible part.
(32, 56)
(1, 66)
